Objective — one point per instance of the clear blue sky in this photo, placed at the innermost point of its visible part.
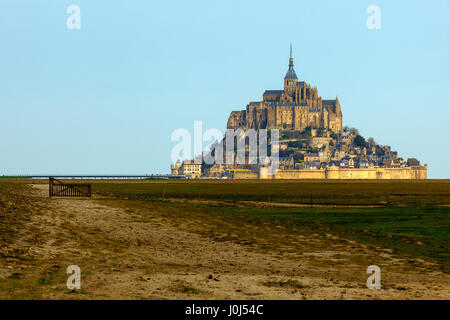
(106, 98)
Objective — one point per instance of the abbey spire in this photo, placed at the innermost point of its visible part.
(291, 72)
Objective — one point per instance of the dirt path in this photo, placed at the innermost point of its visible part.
(122, 256)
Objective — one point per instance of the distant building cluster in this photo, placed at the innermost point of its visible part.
(312, 143)
(187, 169)
(346, 149)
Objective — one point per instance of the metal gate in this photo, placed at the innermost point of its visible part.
(58, 188)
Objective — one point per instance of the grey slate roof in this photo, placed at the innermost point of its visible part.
(291, 73)
(274, 92)
(328, 102)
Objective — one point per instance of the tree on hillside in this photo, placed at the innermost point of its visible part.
(360, 141)
(354, 131)
(379, 150)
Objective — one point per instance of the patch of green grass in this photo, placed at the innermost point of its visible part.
(51, 275)
(421, 229)
(14, 178)
(428, 192)
(417, 231)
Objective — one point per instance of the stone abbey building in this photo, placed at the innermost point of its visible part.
(296, 107)
(313, 144)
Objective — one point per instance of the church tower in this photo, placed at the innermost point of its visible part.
(290, 80)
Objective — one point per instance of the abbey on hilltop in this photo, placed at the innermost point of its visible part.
(313, 144)
(297, 107)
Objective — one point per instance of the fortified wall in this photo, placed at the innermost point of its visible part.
(406, 173)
